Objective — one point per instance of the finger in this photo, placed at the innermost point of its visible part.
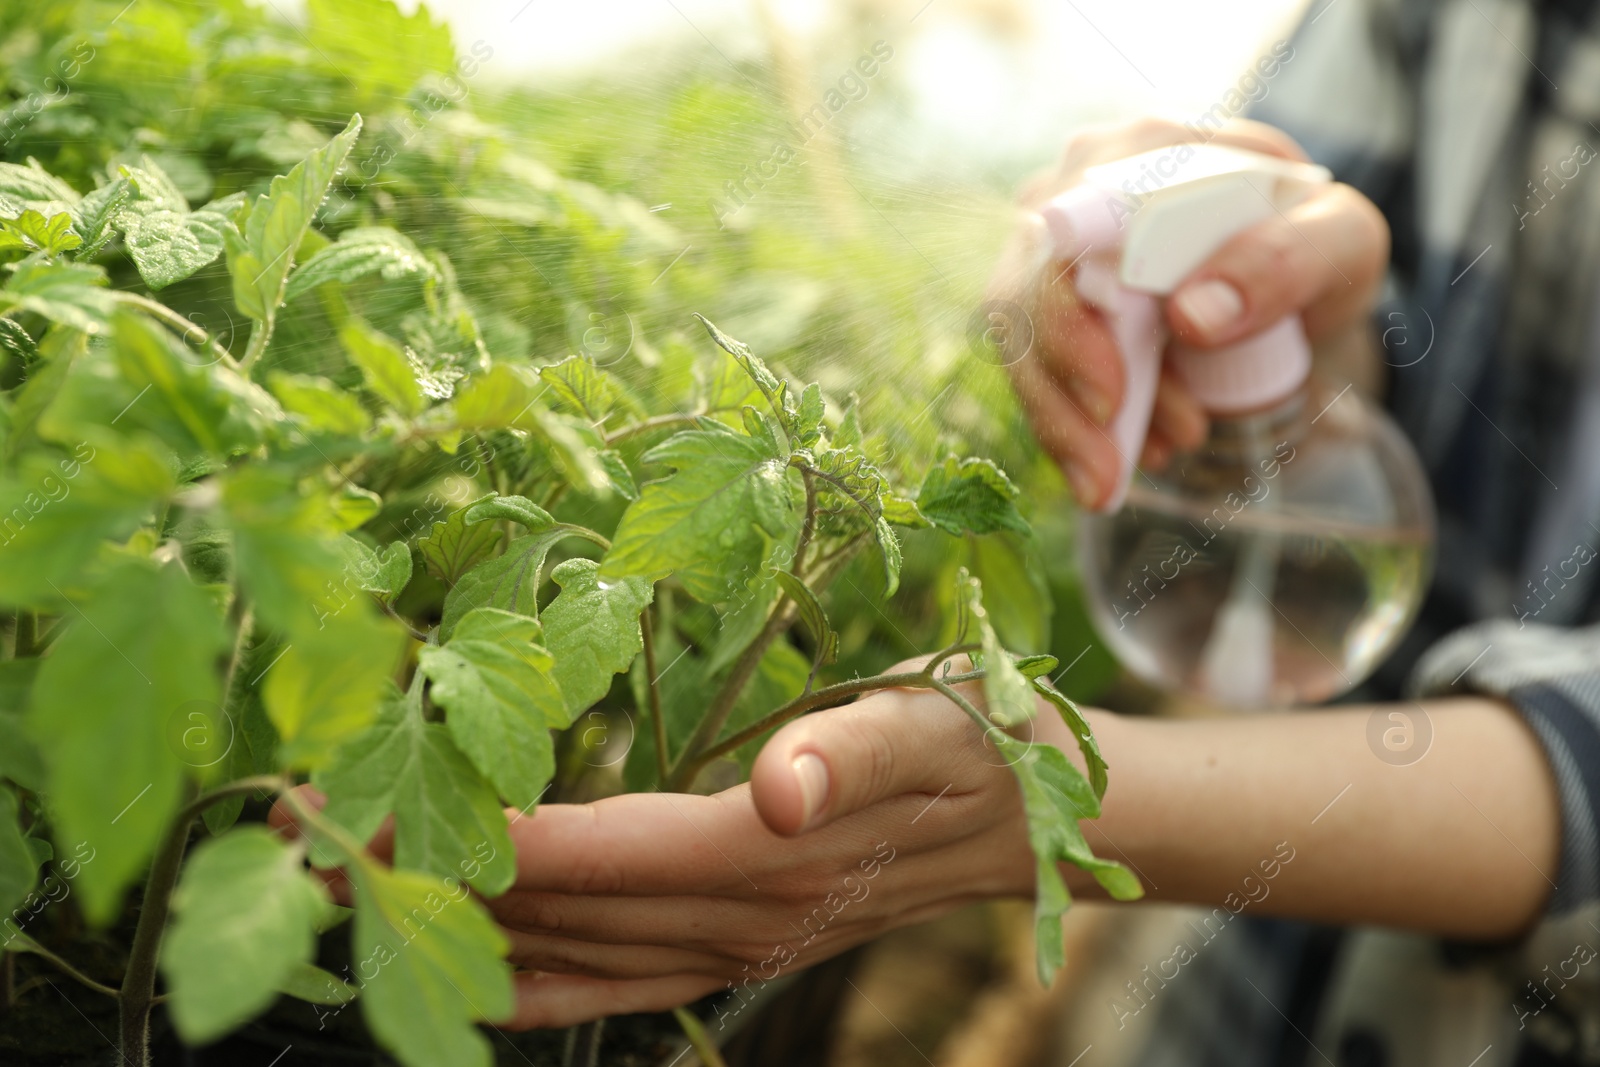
(642, 843)
(1085, 452)
(553, 1000)
(821, 870)
(561, 955)
(1178, 418)
(825, 766)
(1259, 137)
(1326, 256)
(1101, 144)
(1157, 453)
(1076, 348)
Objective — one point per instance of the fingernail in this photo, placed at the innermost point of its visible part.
(812, 774)
(1210, 305)
(1090, 400)
(1084, 487)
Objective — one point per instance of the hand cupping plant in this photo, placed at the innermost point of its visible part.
(345, 540)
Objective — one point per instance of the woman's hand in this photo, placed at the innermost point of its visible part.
(1324, 258)
(888, 812)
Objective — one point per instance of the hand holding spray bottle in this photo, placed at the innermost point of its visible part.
(1282, 560)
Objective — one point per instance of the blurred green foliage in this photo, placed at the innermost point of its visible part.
(543, 197)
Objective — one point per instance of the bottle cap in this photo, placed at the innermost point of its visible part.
(1254, 373)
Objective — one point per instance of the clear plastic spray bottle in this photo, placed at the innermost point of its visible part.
(1282, 560)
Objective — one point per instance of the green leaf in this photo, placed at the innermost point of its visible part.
(167, 241)
(32, 232)
(499, 398)
(244, 918)
(592, 629)
(496, 685)
(1009, 561)
(437, 963)
(284, 547)
(261, 257)
(509, 581)
(353, 507)
(1054, 794)
(889, 547)
(72, 294)
(384, 367)
(1034, 666)
(52, 520)
(451, 547)
(375, 48)
(357, 253)
(903, 512)
(1080, 730)
(312, 984)
(585, 390)
(710, 522)
(393, 574)
(518, 509)
(92, 215)
(1008, 694)
(17, 343)
(813, 616)
(320, 404)
(19, 869)
(192, 408)
(20, 759)
(139, 650)
(33, 187)
(327, 684)
(808, 420)
(773, 388)
(970, 495)
(447, 819)
(621, 477)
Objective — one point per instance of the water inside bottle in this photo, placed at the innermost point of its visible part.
(1320, 606)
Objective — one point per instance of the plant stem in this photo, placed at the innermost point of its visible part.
(826, 697)
(139, 981)
(705, 735)
(388, 609)
(27, 635)
(744, 668)
(64, 967)
(655, 422)
(260, 334)
(185, 326)
(699, 1040)
(658, 725)
(809, 527)
(585, 533)
(949, 653)
(306, 815)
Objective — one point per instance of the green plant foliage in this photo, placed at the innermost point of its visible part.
(439, 968)
(496, 684)
(245, 921)
(356, 436)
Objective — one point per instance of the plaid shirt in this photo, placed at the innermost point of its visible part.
(1475, 126)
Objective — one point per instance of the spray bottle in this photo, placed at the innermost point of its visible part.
(1282, 560)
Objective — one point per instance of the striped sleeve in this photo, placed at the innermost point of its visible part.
(1552, 676)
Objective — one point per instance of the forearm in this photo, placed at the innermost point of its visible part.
(1463, 842)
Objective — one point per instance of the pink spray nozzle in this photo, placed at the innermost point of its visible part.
(1084, 217)
(1130, 250)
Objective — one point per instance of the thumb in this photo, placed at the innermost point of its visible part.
(834, 763)
(1324, 258)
